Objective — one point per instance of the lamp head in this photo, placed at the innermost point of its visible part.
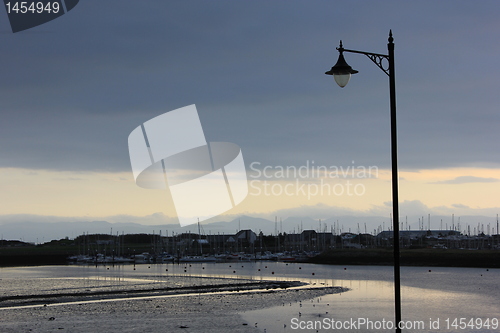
(341, 71)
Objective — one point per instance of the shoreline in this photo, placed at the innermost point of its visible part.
(183, 309)
(411, 258)
(49, 299)
(377, 256)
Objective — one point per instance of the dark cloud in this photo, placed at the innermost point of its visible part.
(70, 96)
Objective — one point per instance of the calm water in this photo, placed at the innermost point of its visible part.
(432, 298)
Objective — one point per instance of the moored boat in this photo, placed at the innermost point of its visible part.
(197, 259)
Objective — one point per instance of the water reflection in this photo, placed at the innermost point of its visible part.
(373, 301)
(428, 294)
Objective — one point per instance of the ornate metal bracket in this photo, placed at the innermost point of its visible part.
(375, 57)
(378, 60)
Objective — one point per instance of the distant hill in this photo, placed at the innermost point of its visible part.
(41, 229)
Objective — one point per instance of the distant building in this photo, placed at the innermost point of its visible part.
(310, 240)
(414, 234)
(243, 240)
(246, 237)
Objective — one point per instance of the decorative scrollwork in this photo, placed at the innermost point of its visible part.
(378, 60)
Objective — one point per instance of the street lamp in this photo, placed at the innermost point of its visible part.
(342, 73)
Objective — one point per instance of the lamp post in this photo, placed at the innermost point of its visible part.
(342, 73)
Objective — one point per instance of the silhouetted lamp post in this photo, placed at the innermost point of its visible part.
(342, 73)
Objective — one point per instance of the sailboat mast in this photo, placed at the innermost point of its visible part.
(199, 237)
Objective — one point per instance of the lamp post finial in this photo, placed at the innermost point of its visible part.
(341, 47)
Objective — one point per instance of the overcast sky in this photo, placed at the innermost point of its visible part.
(72, 90)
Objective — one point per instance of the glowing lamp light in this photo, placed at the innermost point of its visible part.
(341, 71)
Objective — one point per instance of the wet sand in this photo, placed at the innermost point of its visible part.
(176, 305)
